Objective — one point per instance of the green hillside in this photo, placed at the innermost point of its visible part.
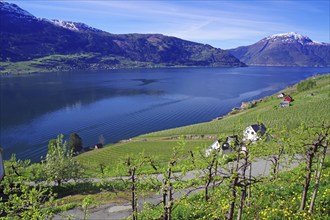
(311, 106)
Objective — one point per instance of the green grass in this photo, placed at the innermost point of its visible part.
(53, 63)
(310, 109)
(270, 199)
(71, 62)
(305, 108)
(112, 155)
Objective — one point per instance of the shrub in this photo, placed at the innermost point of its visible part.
(306, 85)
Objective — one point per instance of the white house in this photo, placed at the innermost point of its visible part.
(281, 95)
(226, 146)
(214, 146)
(253, 132)
(285, 104)
(2, 169)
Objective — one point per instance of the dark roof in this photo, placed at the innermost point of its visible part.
(232, 138)
(259, 128)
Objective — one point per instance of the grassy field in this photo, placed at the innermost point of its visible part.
(307, 108)
(311, 109)
(49, 63)
(112, 155)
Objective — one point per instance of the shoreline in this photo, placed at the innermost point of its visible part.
(221, 116)
(19, 72)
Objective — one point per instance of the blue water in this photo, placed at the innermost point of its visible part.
(120, 104)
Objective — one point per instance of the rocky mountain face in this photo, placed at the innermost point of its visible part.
(50, 43)
(288, 49)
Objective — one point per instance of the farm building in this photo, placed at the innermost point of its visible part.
(284, 104)
(225, 146)
(288, 98)
(214, 146)
(281, 95)
(98, 146)
(253, 132)
(244, 105)
(247, 105)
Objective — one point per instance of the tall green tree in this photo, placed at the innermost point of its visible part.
(75, 143)
(59, 165)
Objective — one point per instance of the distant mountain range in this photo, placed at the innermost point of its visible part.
(288, 49)
(53, 44)
(31, 44)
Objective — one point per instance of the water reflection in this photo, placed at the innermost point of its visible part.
(121, 104)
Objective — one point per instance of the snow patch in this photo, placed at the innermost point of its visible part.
(291, 37)
(74, 26)
(65, 24)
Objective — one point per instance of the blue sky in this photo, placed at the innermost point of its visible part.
(220, 23)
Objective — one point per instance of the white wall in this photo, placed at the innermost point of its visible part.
(212, 147)
(250, 134)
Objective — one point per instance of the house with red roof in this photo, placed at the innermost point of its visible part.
(288, 98)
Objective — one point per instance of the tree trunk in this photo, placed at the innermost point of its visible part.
(310, 157)
(233, 190)
(318, 177)
(241, 204)
(206, 196)
(275, 162)
(209, 178)
(233, 199)
(307, 181)
(165, 200)
(277, 165)
(168, 193)
(134, 199)
(249, 187)
(170, 205)
(243, 191)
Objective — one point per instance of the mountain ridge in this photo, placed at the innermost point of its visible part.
(39, 44)
(286, 49)
(61, 45)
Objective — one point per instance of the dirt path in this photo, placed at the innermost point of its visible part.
(260, 167)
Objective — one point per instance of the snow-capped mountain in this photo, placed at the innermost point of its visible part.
(25, 37)
(15, 12)
(286, 49)
(74, 26)
(290, 37)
